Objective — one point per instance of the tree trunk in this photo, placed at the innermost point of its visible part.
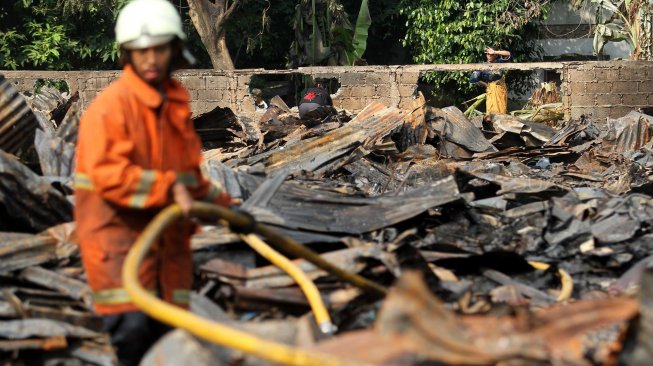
(209, 19)
(645, 23)
(221, 59)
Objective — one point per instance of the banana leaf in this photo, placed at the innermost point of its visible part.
(477, 101)
(551, 112)
(314, 35)
(359, 41)
(318, 51)
(605, 33)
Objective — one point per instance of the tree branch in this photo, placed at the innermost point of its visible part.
(230, 10)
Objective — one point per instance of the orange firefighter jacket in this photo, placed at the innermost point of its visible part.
(134, 144)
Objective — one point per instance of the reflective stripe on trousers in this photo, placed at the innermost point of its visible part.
(117, 296)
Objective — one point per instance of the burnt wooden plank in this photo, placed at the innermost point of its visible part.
(297, 207)
(21, 329)
(29, 202)
(371, 125)
(51, 343)
(378, 179)
(75, 289)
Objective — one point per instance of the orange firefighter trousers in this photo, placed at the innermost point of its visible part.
(134, 144)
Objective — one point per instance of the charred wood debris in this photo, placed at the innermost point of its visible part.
(503, 242)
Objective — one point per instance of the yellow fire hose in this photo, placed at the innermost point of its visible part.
(308, 287)
(285, 245)
(213, 331)
(567, 284)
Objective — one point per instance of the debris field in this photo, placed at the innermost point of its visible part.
(502, 243)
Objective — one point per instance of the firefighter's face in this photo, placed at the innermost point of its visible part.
(152, 63)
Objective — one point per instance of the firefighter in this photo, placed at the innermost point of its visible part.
(494, 81)
(138, 152)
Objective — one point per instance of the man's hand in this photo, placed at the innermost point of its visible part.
(490, 50)
(182, 197)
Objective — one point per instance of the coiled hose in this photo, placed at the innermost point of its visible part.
(216, 332)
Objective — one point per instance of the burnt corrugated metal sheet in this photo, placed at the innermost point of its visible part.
(17, 122)
(629, 133)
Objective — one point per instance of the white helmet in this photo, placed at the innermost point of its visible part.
(148, 23)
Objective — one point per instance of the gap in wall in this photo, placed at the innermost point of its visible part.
(289, 87)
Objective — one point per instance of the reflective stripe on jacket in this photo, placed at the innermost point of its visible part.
(134, 144)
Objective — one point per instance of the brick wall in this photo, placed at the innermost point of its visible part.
(209, 89)
(602, 89)
(607, 89)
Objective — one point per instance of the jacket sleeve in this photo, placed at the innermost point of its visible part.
(104, 155)
(203, 189)
(198, 185)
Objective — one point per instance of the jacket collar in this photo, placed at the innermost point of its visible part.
(150, 96)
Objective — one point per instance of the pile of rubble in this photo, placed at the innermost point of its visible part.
(475, 208)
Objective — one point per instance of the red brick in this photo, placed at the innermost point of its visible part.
(407, 90)
(363, 91)
(383, 90)
(217, 82)
(91, 84)
(387, 101)
(581, 75)
(103, 82)
(646, 86)
(608, 99)
(631, 73)
(408, 77)
(378, 78)
(578, 88)
(87, 96)
(201, 107)
(194, 95)
(620, 111)
(624, 86)
(640, 99)
(352, 78)
(208, 95)
(242, 81)
(193, 83)
(582, 100)
(606, 74)
(343, 92)
(598, 87)
(353, 104)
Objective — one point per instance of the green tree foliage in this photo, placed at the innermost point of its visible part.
(260, 33)
(388, 29)
(324, 34)
(58, 34)
(78, 34)
(457, 31)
